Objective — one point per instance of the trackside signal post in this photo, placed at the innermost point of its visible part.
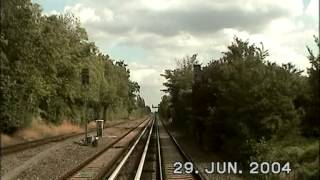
(155, 113)
(197, 109)
(99, 124)
(85, 85)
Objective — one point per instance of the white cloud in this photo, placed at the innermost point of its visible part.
(281, 25)
(166, 30)
(150, 81)
(108, 15)
(158, 4)
(313, 9)
(141, 74)
(86, 14)
(53, 12)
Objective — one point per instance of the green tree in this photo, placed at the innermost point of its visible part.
(41, 61)
(310, 124)
(179, 86)
(237, 100)
(19, 28)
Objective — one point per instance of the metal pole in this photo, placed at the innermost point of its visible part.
(86, 119)
(85, 85)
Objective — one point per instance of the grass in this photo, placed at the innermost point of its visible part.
(301, 152)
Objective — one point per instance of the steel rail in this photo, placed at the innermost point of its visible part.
(115, 173)
(159, 152)
(143, 157)
(198, 175)
(30, 144)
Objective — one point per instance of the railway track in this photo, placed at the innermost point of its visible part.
(150, 153)
(173, 154)
(30, 144)
(98, 165)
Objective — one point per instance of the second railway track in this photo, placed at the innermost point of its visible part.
(97, 166)
(30, 144)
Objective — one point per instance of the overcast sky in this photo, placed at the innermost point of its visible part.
(151, 34)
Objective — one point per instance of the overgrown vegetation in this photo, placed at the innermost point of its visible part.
(242, 101)
(41, 60)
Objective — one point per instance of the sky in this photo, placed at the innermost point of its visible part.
(150, 35)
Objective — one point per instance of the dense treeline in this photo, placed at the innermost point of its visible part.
(241, 101)
(41, 61)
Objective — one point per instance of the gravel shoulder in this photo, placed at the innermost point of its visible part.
(52, 160)
(203, 159)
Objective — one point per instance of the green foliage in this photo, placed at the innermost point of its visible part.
(18, 30)
(242, 101)
(302, 153)
(164, 107)
(311, 123)
(179, 85)
(41, 60)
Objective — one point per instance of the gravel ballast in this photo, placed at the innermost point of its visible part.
(52, 160)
